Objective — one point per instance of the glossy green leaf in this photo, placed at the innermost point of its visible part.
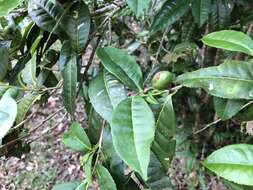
(25, 104)
(122, 66)
(233, 162)
(138, 6)
(77, 25)
(65, 54)
(115, 164)
(67, 186)
(4, 60)
(82, 186)
(105, 180)
(164, 145)
(230, 40)
(86, 161)
(105, 93)
(157, 178)
(95, 122)
(8, 112)
(225, 108)
(28, 74)
(69, 75)
(170, 12)
(201, 10)
(77, 139)
(133, 130)
(220, 17)
(8, 5)
(3, 89)
(46, 14)
(231, 80)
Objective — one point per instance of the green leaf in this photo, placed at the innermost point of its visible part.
(3, 88)
(220, 17)
(230, 40)
(95, 122)
(67, 186)
(69, 75)
(246, 114)
(201, 10)
(65, 54)
(231, 80)
(225, 108)
(170, 12)
(105, 93)
(77, 139)
(28, 74)
(4, 59)
(138, 6)
(46, 14)
(77, 25)
(8, 112)
(114, 163)
(7, 5)
(105, 180)
(157, 178)
(164, 145)
(86, 161)
(25, 104)
(133, 129)
(122, 66)
(233, 162)
(82, 186)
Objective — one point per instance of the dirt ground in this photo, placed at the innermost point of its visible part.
(49, 162)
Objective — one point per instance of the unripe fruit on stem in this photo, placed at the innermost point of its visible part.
(162, 80)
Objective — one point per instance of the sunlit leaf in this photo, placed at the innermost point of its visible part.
(231, 80)
(105, 93)
(8, 5)
(8, 112)
(105, 180)
(76, 138)
(233, 162)
(133, 130)
(230, 40)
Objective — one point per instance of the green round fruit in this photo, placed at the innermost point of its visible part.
(162, 80)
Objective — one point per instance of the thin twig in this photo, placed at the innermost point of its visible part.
(207, 126)
(106, 9)
(52, 128)
(47, 119)
(22, 122)
(161, 44)
(84, 75)
(99, 145)
(32, 131)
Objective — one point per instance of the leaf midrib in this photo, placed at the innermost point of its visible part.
(136, 85)
(229, 164)
(215, 78)
(230, 42)
(139, 161)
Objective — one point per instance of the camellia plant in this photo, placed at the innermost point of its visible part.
(132, 134)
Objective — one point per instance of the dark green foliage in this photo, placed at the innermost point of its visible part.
(108, 52)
